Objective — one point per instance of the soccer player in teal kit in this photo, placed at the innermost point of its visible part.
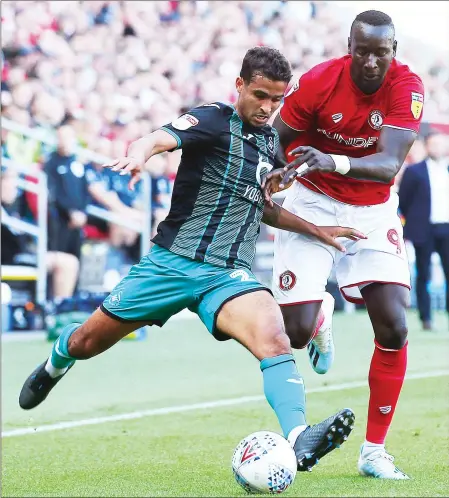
(203, 252)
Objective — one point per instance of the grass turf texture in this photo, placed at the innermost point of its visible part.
(188, 454)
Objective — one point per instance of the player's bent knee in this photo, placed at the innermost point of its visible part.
(299, 333)
(272, 343)
(300, 322)
(393, 335)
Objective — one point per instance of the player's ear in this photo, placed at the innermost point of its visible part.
(395, 47)
(349, 44)
(239, 84)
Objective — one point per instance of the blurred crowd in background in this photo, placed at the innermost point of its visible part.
(100, 74)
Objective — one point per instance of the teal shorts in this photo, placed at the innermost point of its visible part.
(163, 283)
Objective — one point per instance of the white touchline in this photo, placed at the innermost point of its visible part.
(187, 408)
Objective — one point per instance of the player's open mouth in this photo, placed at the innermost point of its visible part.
(261, 119)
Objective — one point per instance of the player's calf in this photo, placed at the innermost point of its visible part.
(321, 347)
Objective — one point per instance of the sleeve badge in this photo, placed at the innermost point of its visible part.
(417, 104)
(185, 122)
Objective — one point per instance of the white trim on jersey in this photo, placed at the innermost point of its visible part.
(398, 128)
(286, 124)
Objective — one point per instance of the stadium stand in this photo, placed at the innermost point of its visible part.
(109, 72)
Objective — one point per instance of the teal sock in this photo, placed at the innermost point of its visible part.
(284, 390)
(60, 357)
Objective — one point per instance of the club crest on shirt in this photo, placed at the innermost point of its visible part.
(417, 104)
(287, 280)
(185, 122)
(376, 119)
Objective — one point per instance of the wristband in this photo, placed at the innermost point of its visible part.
(342, 164)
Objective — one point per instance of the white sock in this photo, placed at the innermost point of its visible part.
(52, 371)
(370, 447)
(294, 433)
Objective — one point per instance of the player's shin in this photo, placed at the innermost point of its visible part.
(386, 376)
(60, 359)
(284, 390)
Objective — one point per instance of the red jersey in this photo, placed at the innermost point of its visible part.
(336, 117)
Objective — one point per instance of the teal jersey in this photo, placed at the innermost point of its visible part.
(217, 202)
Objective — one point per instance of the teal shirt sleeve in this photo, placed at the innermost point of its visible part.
(200, 125)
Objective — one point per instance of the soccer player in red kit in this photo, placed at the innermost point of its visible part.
(346, 127)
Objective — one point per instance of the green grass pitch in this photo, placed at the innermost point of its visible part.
(188, 453)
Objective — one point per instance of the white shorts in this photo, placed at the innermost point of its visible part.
(302, 265)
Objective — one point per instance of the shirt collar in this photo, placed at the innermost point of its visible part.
(440, 163)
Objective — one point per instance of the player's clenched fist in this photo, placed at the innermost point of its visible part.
(313, 159)
(307, 159)
(276, 180)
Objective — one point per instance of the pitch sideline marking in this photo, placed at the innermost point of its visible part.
(187, 408)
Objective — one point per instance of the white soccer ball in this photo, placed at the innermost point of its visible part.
(264, 462)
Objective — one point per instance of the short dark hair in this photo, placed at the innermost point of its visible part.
(265, 61)
(373, 18)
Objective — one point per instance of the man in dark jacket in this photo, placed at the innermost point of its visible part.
(68, 195)
(424, 202)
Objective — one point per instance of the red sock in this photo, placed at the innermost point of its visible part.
(386, 376)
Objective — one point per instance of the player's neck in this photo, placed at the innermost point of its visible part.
(238, 111)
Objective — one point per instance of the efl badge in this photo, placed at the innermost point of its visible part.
(185, 122)
(376, 120)
(417, 104)
(287, 280)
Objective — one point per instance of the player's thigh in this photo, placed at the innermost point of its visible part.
(255, 320)
(301, 264)
(382, 259)
(301, 268)
(98, 333)
(233, 304)
(155, 289)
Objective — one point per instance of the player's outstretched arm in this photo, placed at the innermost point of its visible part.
(278, 217)
(139, 152)
(382, 166)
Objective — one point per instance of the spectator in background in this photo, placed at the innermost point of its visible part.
(424, 203)
(131, 64)
(161, 189)
(110, 191)
(17, 247)
(68, 195)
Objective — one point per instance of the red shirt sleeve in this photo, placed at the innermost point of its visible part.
(297, 111)
(406, 104)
